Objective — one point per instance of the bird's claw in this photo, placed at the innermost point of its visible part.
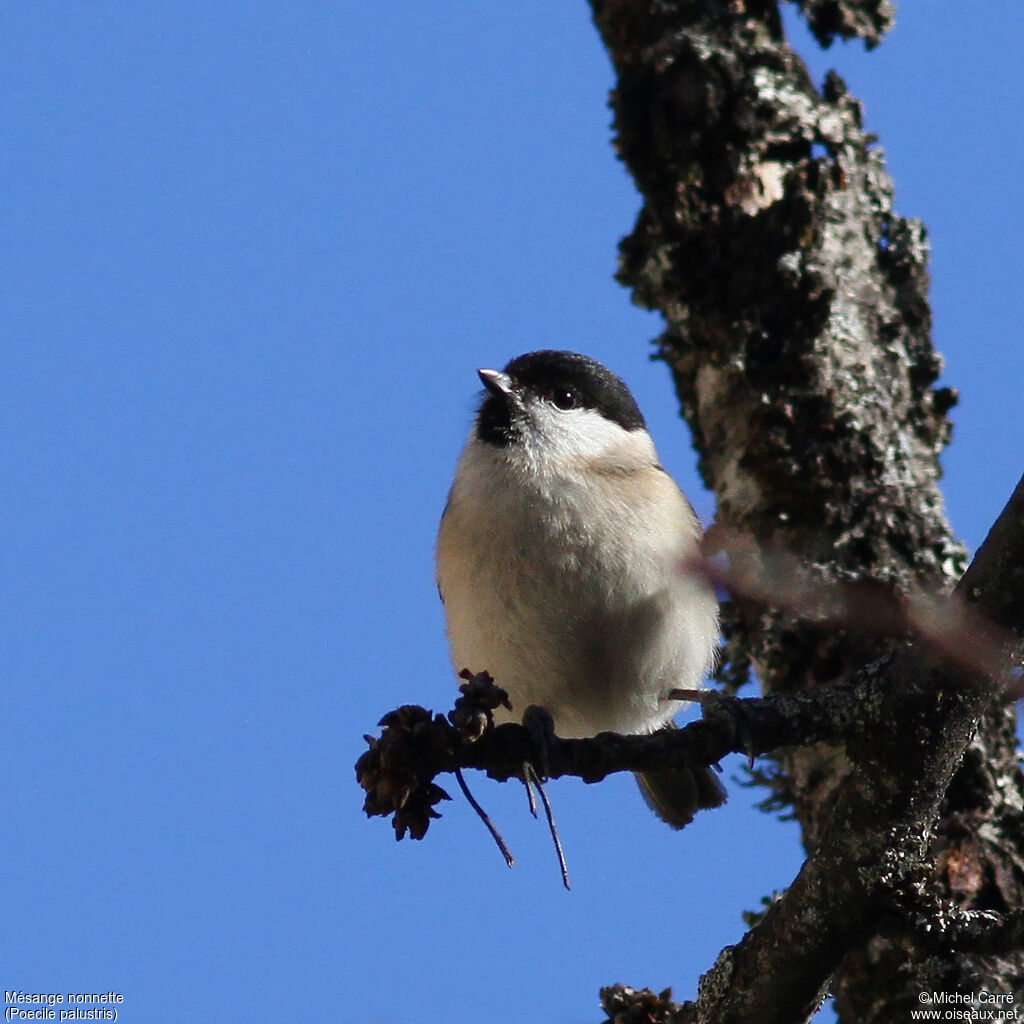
(729, 712)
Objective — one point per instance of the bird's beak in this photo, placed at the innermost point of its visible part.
(498, 383)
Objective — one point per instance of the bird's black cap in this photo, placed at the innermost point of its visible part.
(559, 377)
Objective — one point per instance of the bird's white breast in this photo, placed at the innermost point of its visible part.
(573, 588)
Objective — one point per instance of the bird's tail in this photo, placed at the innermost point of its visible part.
(675, 796)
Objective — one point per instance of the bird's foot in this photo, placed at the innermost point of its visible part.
(538, 722)
(724, 710)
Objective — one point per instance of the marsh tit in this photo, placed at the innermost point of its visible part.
(565, 560)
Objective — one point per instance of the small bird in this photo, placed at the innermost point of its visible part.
(565, 564)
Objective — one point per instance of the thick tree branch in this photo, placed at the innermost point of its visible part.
(797, 329)
(916, 719)
(994, 583)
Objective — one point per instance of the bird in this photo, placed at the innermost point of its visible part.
(567, 563)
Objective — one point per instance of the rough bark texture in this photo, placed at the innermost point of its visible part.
(798, 333)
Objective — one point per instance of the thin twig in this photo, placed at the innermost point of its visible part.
(551, 822)
(529, 773)
(495, 834)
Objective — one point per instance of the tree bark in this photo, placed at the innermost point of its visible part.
(798, 335)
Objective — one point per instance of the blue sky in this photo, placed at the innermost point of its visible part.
(252, 256)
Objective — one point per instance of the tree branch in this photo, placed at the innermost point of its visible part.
(399, 770)
(917, 718)
(797, 330)
(994, 582)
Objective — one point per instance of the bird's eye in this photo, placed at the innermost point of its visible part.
(564, 398)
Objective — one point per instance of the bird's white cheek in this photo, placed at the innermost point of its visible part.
(557, 436)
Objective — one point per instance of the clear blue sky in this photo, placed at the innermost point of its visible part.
(253, 253)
